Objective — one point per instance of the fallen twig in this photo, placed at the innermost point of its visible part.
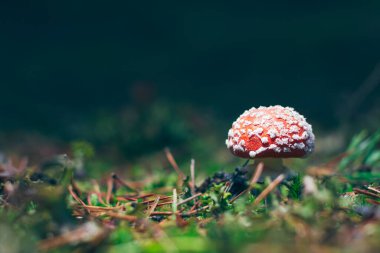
(254, 179)
(188, 199)
(373, 189)
(110, 183)
(357, 190)
(119, 216)
(74, 195)
(169, 156)
(373, 202)
(123, 183)
(269, 188)
(153, 206)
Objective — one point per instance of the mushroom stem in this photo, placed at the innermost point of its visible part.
(272, 166)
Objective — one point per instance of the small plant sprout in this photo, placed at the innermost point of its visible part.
(270, 132)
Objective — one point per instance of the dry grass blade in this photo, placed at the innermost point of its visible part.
(92, 209)
(165, 203)
(188, 199)
(256, 176)
(73, 194)
(227, 186)
(373, 202)
(374, 189)
(119, 216)
(192, 174)
(191, 212)
(357, 190)
(98, 195)
(109, 189)
(270, 187)
(161, 213)
(75, 187)
(174, 204)
(152, 200)
(123, 183)
(121, 198)
(153, 207)
(254, 179)
(174, 164)
(195, 211)
(145, 195)
(194, 206)
(102, 209)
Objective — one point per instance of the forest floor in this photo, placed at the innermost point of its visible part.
(57, 206)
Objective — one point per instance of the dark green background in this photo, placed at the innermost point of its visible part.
(61, 58)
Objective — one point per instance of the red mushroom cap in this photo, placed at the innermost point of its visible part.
(273, 131)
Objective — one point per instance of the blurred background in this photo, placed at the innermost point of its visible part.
(134, 77)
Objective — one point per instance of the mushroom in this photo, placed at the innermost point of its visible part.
(272, 133)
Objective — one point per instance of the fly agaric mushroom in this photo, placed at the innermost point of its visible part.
(270, 132)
